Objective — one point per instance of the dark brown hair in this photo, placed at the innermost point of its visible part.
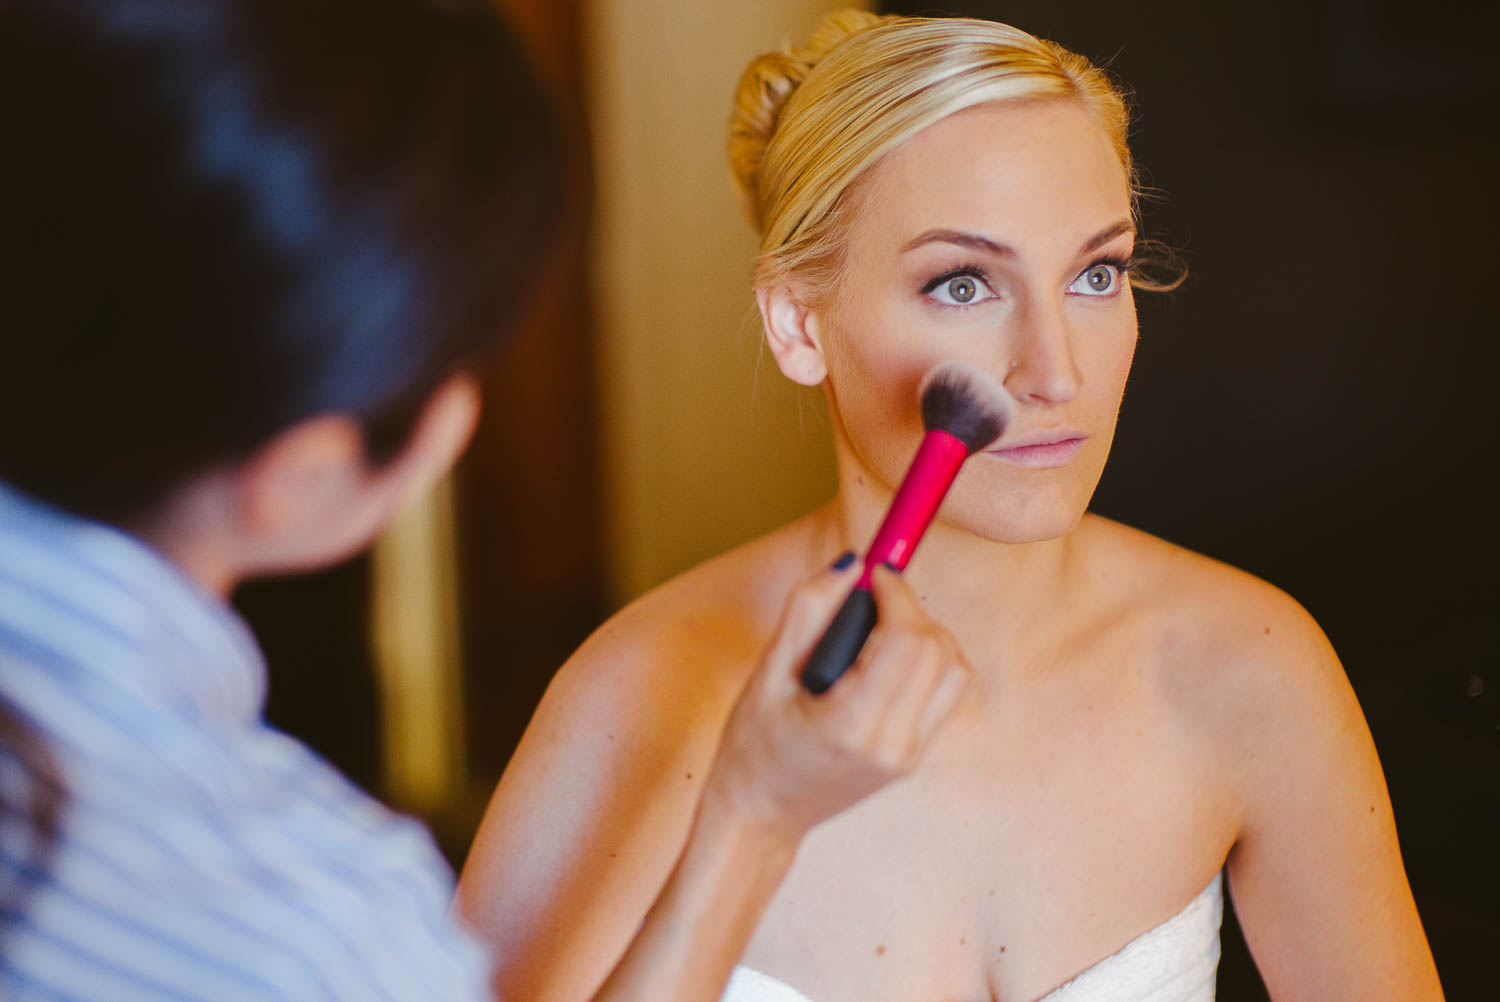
(221, 217)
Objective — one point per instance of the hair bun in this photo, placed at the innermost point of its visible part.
(763, 91)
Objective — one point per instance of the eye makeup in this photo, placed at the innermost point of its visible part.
(1122, 264)
(962, 287)
(1120, 269)
(962, 271)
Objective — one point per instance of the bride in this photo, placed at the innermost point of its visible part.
(1141, 719)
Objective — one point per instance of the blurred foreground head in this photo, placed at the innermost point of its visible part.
(221, 217)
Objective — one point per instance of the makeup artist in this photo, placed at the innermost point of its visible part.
(253, 251)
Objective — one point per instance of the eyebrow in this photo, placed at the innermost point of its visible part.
(983, 243)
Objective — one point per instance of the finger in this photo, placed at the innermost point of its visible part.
(895, 603)
(944, 698)
(948, 688)
(902, 628)
(900, 728)
(900, 669)
(864, 695)
(806, 615)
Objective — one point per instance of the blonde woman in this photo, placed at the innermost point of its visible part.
(1141, 721)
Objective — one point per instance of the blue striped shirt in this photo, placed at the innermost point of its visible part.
(202, 854)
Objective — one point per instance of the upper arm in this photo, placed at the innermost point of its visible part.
(1316, 872)
(593, 810)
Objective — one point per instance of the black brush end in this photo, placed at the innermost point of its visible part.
(965, 402)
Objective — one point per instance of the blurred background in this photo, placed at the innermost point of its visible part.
(1316, 405)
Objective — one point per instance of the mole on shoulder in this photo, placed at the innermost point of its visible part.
(687, 775)
(880, 950)
(1268, 631)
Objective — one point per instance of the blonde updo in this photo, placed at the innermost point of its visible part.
(809, 121)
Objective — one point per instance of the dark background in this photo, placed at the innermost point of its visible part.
(1315, 405)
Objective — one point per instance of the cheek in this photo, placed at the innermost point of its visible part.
(1110, 365)
(1105, 361)
(874, 372)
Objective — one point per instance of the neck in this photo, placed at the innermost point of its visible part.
(183, 531)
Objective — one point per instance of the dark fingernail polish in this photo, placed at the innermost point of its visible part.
(843, 562)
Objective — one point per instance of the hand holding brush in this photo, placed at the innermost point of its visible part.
(963, 411)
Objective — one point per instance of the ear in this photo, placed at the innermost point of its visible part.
(311, 497)
(442, 433)
(305, 467)
(793, 334)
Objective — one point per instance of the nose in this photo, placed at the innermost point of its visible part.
(1041, 365)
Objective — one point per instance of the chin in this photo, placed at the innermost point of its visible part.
(1017, 513)
(1035, 527)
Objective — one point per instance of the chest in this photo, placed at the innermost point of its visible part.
(1037, 837)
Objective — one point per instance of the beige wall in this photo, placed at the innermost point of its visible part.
(704, 443)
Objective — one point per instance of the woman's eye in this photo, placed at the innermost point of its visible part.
(1097, 280)
(958, 290)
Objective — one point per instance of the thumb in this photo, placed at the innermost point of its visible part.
(894, 598)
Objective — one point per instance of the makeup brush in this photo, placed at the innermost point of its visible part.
(964, 411)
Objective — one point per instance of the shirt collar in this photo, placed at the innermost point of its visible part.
(195, 649)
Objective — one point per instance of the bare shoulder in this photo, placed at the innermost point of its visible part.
(1258, 690)
(1244, 669)
(594, 805)
(1204, 609)
(1235, 647)
(642, 702)
(696, 636)
(639, 706)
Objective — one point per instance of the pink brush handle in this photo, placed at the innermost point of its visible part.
(917, 499)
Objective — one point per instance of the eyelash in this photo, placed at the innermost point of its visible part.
(1121, 264)
(962, 271)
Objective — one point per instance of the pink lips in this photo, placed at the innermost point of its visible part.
(1050, 452)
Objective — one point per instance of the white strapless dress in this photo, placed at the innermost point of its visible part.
(1177, 961)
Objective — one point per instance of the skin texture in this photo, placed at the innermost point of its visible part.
(1140, 717)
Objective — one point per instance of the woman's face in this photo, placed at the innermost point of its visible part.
(999, 236)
